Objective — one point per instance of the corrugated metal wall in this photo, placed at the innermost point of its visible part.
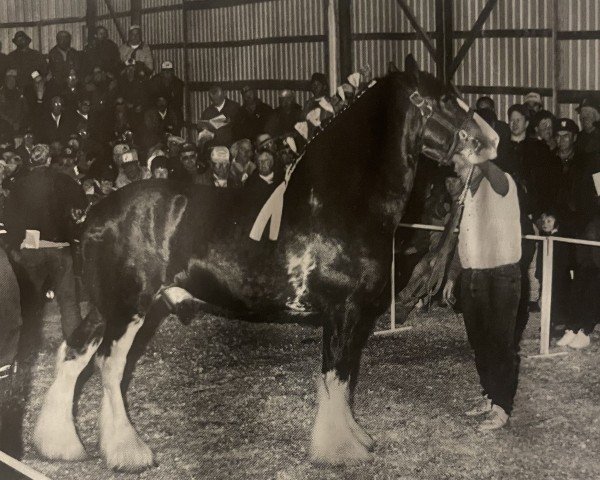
(41, 20)
(374, 20)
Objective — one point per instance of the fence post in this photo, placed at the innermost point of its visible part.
(548, 257)
(393, 284)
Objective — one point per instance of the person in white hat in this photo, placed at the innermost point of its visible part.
(166, 84)
(137, 49)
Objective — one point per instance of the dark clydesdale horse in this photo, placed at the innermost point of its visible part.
(156, 240)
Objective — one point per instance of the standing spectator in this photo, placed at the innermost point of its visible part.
(260, 186)
(3, 62)
(318, 88)
(489, 250)
(13, 106)
(566, 194)
(169, 118)
(55, 125)
(285, 116)
(220, 106)
(63, 58)
(166, 84)
(585, 305)
(101, 52)
(137, 50)
(40, 215)
(102, 88)
(486, 104)
(543, 124)
(253, 114)
(26, 60)
(588, 140)
(533, 103)
(133, 86)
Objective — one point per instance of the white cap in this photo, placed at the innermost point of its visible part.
(167, 65)
(35, 74)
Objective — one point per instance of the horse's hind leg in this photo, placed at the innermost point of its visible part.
(121, 445)
(337, 438)
(54, 435)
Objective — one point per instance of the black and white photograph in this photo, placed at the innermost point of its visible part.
(299, 239)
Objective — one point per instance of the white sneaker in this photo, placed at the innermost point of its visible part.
(497, 418)
(567, 338)
(484, 405)
(581, 340)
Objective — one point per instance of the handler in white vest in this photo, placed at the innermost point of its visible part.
(489, 249)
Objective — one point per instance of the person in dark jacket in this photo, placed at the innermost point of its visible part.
(40, 218)
(253, 114)
(220, 106)
(56, 124)
(166, 84)
(26, 60)
(101, 52)
(63, 58)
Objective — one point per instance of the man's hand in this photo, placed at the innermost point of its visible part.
(448, 293)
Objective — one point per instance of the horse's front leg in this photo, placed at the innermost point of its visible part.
(337, 438)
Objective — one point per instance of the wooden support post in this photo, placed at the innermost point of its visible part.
(555, 57)
(136, 12)
(186, 73)
(447, 49)
(477, 27)
(91, 14)
(113, 15)
(344, 14)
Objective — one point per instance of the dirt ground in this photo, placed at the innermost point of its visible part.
(222, 399)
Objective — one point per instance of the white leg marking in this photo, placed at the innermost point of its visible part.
(334, 437)
(121, 445)
(54, 435)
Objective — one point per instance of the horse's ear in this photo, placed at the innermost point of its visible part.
(392, 68)
(411, 66)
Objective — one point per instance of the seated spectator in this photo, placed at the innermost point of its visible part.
(55, 124)
(253, 114)
(63, 58)
(242, 165)
(218, 173)
(15, 168)
(36, 95)
(543, 124)
(264, 141)
(260, 186)
(137, 50)
(166, 84)
(70, 90)
(101, 52)
(26, 60)
(285, 116)
(170, 121)
(130, 169)
(24, 150)
(56, 148)
(585, 304)
(66, 163)
(486, 104)
(188, 170)
(13, 106)
(133, 85)
(102, 88)
(150, 133)
(159, 167)
(318, 89)
(220, 107)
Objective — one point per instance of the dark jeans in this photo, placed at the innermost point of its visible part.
(10, 312)
(52, 268)
(585, 300)
(490, 300)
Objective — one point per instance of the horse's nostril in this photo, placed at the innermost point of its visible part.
(463, 135)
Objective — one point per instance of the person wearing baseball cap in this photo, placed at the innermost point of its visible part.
(166, 84)
(40, 217)
(136, 49)
(25, 60)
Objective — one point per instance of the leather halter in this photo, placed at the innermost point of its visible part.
(443, 131)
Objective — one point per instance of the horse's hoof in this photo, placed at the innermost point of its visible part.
(129, 454)
(349, 453)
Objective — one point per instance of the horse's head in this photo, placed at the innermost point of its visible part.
(449, 126)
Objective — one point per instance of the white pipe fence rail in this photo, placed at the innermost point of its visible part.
(547, 244)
